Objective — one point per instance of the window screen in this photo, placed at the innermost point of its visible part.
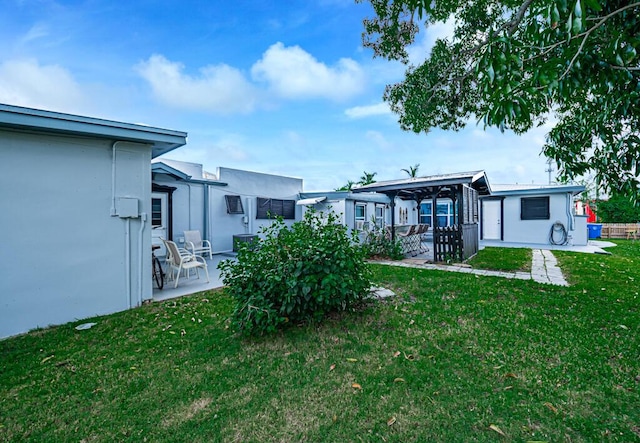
(534, 208)
(234, 204)
(272, 207)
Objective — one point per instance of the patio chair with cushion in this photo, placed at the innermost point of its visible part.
(422, 230)
(410, 240)
(179, 261)
(195, 244)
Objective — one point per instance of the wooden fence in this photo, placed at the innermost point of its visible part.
(620, 230)
(457, 242)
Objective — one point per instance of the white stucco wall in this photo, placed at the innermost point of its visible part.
(249, 186)
(534, 231)
(63, 255)
(189, 203)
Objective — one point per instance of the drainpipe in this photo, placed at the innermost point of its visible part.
(570, 225)
(205, 220)
(143, 219)
(249, 218)
(189, 210)
(127, 259)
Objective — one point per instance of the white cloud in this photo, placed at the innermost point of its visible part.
(368, 111)
(36, 32)
(27, 83)
(293, 73)
(378, 139)
(220, 88)
(420, 50)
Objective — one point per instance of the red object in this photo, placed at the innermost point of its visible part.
(591, 216)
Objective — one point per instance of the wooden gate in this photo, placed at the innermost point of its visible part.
(457, 242)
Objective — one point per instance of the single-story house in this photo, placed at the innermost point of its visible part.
(459, 237)
(356, 211)
(77, 215)
(228, 204)
(533, 214)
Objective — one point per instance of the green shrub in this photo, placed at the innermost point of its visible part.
(295, 274)
(378, 244)
(618, 209)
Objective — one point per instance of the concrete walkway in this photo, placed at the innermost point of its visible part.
(544, 268)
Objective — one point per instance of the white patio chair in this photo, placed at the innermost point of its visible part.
(195, 244)
(179, 262)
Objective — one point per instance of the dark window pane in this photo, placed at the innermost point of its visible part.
(234, 204)
(272, 208)
(534, 208)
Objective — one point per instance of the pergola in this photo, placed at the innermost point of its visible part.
(462, 188)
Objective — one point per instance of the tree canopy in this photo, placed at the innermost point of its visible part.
(516, 64)
(412, 171)
(365, 179)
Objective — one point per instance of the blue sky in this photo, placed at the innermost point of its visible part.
(282, 87)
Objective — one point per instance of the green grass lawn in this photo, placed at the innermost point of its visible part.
(503, 259)
(453, 358)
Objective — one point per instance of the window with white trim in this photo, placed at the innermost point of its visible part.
(360, 215)
(380, 215)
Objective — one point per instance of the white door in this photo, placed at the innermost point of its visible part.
(492, 219)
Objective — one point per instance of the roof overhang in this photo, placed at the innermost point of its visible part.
(35, 120)
(163, 168)
(310, 201)
(537, 190)
(419, 187)
(159, 167)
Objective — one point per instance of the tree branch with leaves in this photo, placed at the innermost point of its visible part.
(513, 65)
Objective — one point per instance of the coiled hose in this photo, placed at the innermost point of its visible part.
(558, 231)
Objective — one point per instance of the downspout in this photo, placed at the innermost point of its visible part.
(249, 218)
(143, 220)
(205, 220)
(570, 222)
(189, 211)
(393, 217)
(127, 259)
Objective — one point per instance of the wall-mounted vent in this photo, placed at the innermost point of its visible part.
(234, 204)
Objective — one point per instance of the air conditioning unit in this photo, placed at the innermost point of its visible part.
(360, 225)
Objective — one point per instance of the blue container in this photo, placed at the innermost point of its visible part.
(595, 230)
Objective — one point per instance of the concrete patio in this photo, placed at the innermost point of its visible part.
(193, 284)
(592, 246)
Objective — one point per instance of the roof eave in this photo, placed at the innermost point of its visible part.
(27, 119)
(575, 190)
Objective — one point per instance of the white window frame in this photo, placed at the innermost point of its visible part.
(360, 220)
(380, 215)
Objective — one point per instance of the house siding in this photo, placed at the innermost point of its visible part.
(191, 200)
(63, 255)
(537, 231)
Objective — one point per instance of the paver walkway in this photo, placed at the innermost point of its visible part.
(544, 268)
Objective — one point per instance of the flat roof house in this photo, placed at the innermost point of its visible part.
(76, 219)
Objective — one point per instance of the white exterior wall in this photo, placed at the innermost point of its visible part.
(249, 186)
(337, 206)
(64, 257)
(188, 209)
(581, 234)
(190, 200)
(536, 231)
